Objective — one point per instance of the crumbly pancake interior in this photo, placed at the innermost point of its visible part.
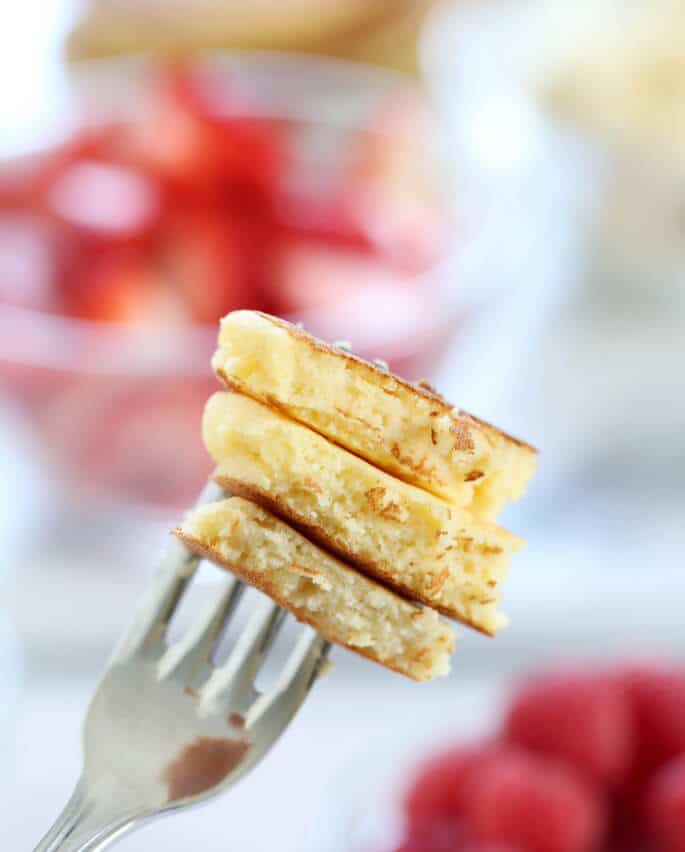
(407, 431)
(412, 540)
(342, 604)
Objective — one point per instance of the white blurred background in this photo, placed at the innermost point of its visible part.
(529, 262)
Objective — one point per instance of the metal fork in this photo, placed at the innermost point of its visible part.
(166, 728)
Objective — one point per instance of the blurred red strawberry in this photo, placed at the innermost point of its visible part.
(664, 806)
(531, 802)
(580, 718)
(171, 145)
(217, 263)
(201, 139)
(117, 286)
(251, 149)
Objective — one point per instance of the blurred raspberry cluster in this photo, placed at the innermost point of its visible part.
(583, 762)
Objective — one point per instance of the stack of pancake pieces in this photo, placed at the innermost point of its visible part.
(364, 504)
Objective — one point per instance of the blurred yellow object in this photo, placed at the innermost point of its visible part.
(616, 70)
(381, 32)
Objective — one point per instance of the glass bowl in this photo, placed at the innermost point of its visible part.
(116, 408)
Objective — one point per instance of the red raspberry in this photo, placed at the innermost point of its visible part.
(664, 806)
(581, 719)
(527, 801)
(439, 835)
(438, 792)
(657, 698)
(625, 832)
(488, 847)
(429, 844)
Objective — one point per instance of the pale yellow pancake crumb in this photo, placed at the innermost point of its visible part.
(405, 429)
(409, 539)
(342, 605)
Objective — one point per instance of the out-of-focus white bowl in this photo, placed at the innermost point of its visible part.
(518, 182)
(599, 239)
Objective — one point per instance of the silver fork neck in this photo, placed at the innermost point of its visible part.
(88, 823)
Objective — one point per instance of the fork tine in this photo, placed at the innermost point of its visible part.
(146, 633)
(273, 710)
(234, 681)
(188, 659)
(304, 664)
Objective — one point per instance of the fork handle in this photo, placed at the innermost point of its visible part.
(85, 825)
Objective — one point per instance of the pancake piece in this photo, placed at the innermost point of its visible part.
(342, 605)
(407, 538)
(405, 429)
